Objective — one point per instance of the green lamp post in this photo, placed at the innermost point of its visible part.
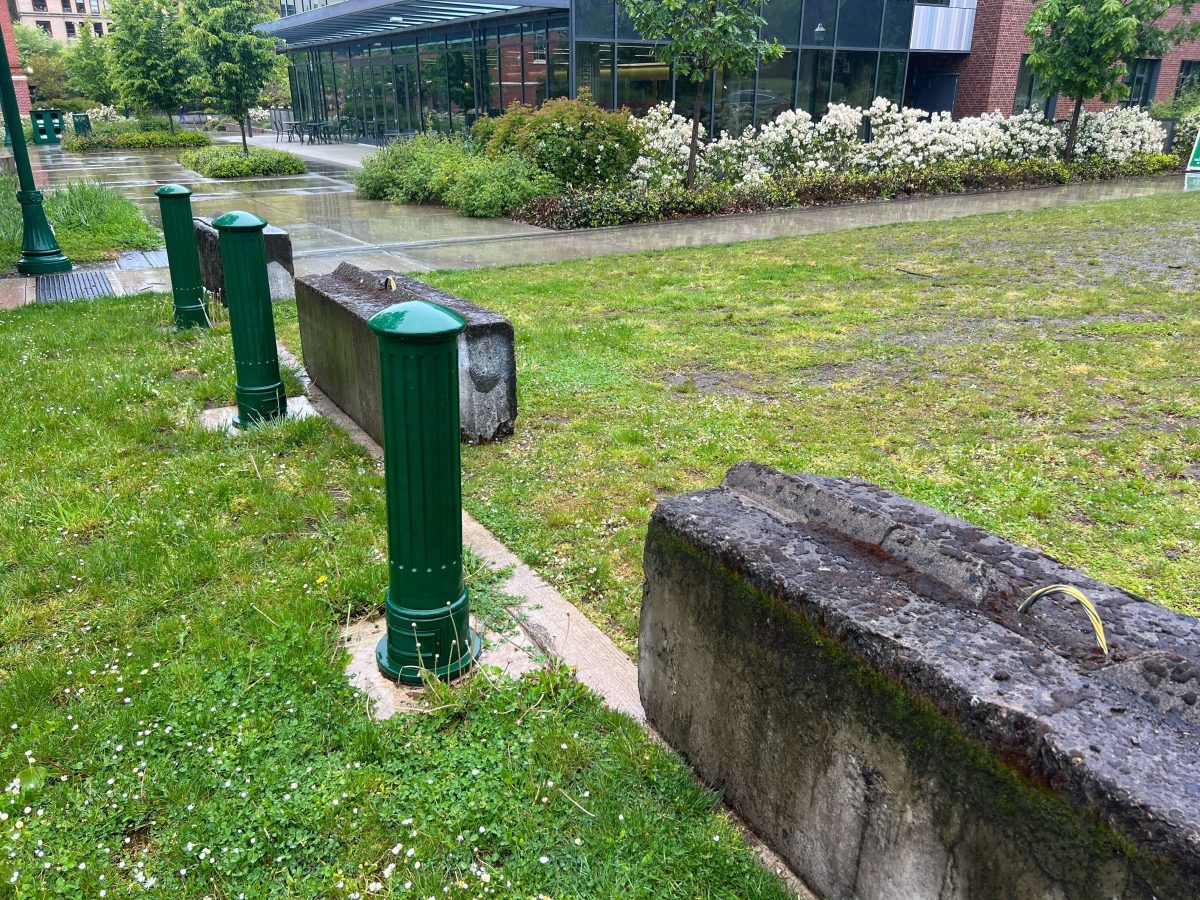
(428, 610)
(260, 393)
(40, 253)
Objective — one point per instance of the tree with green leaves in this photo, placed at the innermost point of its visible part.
(237, 61)
(152, 61)
(1082, 48)
(89, 67)
(32, 41)
(703, 36)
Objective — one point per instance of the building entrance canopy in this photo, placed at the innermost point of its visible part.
(358, 19)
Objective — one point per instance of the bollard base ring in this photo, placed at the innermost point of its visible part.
(411, 674)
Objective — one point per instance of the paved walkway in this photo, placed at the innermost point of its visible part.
(329, 224)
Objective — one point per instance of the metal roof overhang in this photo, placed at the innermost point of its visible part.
(347, 20)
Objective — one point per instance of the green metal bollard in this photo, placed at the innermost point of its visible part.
(175, 206)
(260, 393)
(428, 610)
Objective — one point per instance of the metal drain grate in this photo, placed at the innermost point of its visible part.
(72, 286)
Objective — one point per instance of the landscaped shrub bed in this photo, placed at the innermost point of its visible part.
(570, 164)
(90, 221)
(233, 162)
(594, 209)
(449, 171)
(134, 140)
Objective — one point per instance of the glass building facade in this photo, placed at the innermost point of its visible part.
(443, 77)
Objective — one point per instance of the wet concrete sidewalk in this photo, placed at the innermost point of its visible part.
(329, 224)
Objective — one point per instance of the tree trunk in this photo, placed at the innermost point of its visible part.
(695, 146)
(1073, 131)
(245, 146)
(171, 123)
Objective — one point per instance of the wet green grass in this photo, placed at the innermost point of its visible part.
(174, 720)
(1034, 373)
(91, 222)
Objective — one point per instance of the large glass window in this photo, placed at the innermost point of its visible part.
(487, 72)
(783, 21)
(1031, 92)
(776, 87)
(892, 68)
(1142, 80)
(594, 18)
(819, 23)
(435, 102)
(512, 74)
(460, 79)
(558, 59)
(897, 24)
(594, 71)
(859, 23)
(735, 102)
(1189, 78)
(815, 74)
(643, 80)
(536, 54)
(853, 77)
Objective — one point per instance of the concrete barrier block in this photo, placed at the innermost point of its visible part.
(281, 269)
(342, 358)
(849, 669)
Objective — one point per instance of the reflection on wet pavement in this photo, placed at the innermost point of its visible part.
(329, 224)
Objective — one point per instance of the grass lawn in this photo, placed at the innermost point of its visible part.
(173, 716)
(1035, 373)
(91, 222)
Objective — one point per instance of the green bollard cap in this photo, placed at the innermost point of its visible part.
(240, 221)
(172, 190)
(417, 320)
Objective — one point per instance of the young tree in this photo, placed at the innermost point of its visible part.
(32, 41)
(152, 62)
(1082, 48)
(703, 36)
(89, 67)
(237, 61)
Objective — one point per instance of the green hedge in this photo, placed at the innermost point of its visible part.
(134, 140)
(594, 209)
(231, 162)
(434, 169)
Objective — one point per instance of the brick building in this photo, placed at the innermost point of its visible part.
(20, 81)
(64, 20)
(993, 75)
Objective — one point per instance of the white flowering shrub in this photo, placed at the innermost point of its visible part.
(1118, 134)
(103, 114)
(665, 145)
(900, 137)
(259, 117)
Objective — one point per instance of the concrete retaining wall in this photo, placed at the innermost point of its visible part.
(281, 268)
(848, 668)
(342, 357)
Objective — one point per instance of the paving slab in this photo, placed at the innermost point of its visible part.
(221, 418)
(15, 292)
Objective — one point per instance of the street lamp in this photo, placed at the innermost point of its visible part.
(40, 253)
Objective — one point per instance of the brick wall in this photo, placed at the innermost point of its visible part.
(989, 74)
(19, 81)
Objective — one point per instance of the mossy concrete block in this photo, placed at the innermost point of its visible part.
(849, 669)
(281, 268)
(342, 357)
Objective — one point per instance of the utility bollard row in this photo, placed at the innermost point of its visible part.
(427, 604)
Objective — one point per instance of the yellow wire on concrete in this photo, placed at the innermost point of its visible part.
(1075, 594)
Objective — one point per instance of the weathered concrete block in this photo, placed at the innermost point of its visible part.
(849, 669)
(281, 269)
(342, 357)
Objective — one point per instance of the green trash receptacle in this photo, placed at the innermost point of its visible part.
(47, 126)
(82, 122)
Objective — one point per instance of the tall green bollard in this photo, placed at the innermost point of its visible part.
(260, 394)
(428, 610)
(175, 207)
